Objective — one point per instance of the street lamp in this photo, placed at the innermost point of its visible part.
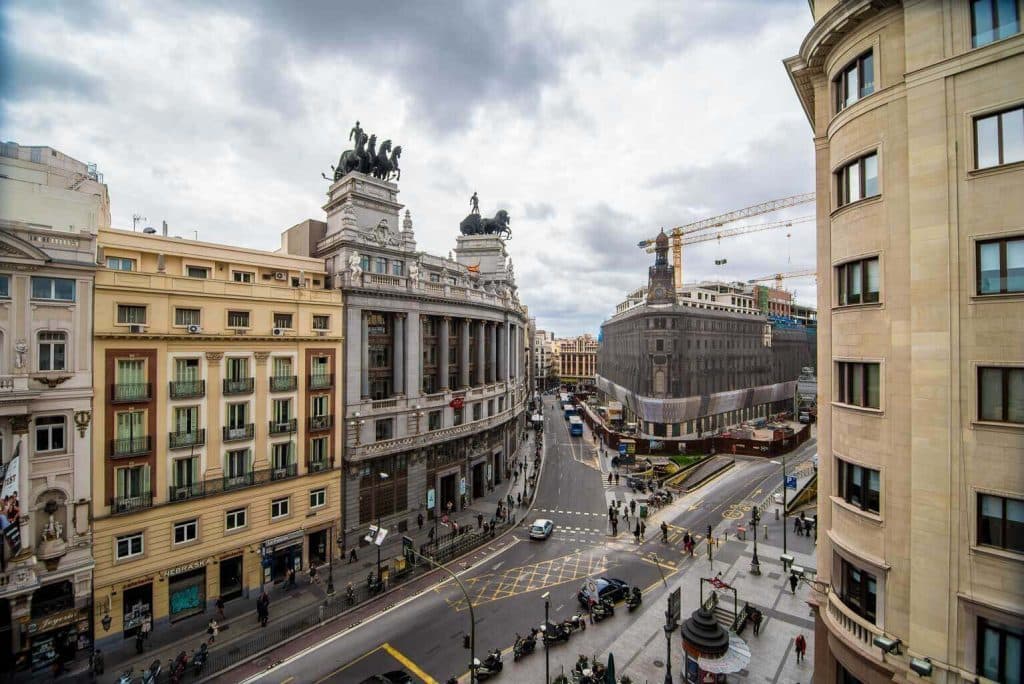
(755, 564)
(547, 655)
(784, 551)
(383, 478)
(330, 570)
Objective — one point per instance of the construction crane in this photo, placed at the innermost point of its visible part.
(779, 277)
(677, 233)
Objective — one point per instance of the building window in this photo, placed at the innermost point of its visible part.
(242, 276)
(998, 138)
(364, 262)
(5, 286)
(859, 591)
(237, 368)
(120, 264)
(457, 416)
(234, 519)
(1001, 522)
(186, 531)
(186, 317)
(858, 282)
(1001, 394)
(318, 454)
(859, 384)
(321, 322)
(59, 289)
(320, 405)
(434, 420)
(993, 20)
(859, 486)
(384, 428)
(186, 471)
(1001, 266)
(397, 268)
(1000, 651)
(477, 410)
(131, 314)
(843, 676)
(857, 180)
(282, 320)
(279, 508)
(855, 81)
(52, 354)
(317, 498)
(131, 483)
(49, 433)
(129, 546)
(238, 319)
(380, 265)
(197, 272)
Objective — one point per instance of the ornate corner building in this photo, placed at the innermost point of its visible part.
(435, 357)
(917, 111)
(51, 207)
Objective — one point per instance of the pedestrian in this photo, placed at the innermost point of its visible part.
(801, 647)
(449, 506)
(643, 529)
(352, 557)
(793, 581)
(313, 578)
(211, 630)
(508, 498)
(664, 532)
(796, 525)
(479, 520)
(97, 662)
(139, 641)
(430, 536)
(686, 541)
(263, 608)
(636, 532)
(632, 506)
(611, 511)
(455, 527)
(609, 478)
(220, 608)
(616, 478)
(625, 515)
(419, 520)
(519, 499)
(756, 619)
(615, 527)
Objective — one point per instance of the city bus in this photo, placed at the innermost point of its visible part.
(568, 410)
(563, 397)
(575, 426)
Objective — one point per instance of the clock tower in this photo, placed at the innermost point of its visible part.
(661, 277)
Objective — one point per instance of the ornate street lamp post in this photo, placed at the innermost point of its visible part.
(755, 564)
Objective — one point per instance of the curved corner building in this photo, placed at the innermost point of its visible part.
(917, 110)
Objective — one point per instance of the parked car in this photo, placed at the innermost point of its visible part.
(607, 588)
(541, 528)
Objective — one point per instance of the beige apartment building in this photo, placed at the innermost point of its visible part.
(574, 359)
(215, 452)
(917, 112)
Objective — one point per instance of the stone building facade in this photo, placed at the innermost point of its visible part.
(51, 207)
(917, 115)
(434, 359)
(575, 359)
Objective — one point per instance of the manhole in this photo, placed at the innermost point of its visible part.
(658, 663)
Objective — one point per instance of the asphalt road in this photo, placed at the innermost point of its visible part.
(424, 635)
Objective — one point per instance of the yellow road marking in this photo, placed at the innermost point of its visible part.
(411, 666)
(662, 565)
(289, 680)
(347, 665)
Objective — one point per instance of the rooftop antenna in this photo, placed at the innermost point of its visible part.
(135, 221)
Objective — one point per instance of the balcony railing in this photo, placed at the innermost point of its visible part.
(317, 466)
(131, 446)
(321, 380)
(281, 427)
(128, 504)
(239, 481)
(237, 434)
(238, 385)
(131, 392)
(857, 627)
(283, 383)
(185, 491)
(321, 422)
(181, 440)
(290, 470)
(187, 389)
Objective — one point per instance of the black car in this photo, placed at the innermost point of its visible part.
(393, 677)
(607, 588)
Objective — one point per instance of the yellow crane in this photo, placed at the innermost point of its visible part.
(779, 277)
(690, 229)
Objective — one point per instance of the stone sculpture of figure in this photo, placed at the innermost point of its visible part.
(355, 266)
(21, 348)
(53, 530)
(474, 203)
(414, 271)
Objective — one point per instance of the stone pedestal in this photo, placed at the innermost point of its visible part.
(487, 252)
(374, 201)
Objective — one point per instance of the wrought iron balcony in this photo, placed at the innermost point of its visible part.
(181, 440)
(131, 446)
(131, 392)
(321, 422)
(290, 470)
(187, 389)
(186, 491)
(238, 385)
(317, 466)
(283, 383)
(128, 504)
(237, 434)
(239, 481)
(321, 380)
(283, 426)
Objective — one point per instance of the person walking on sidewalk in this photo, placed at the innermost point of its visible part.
(632, 506)
(220, 608)
(755, 618)
(664, 532)
(419, 520)
(625, 514)
(801, 647)
(793, 581)
(636, 532)
(643, 530)
(263, 608)
(352, 557)
(212, 629)
(479, 520)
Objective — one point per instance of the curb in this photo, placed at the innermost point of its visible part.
(710, 476)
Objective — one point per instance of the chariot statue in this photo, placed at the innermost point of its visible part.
(364, 157)
(475, 225)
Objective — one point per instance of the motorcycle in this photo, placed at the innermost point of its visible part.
(576, 622)
(634, 599)
(176, 668)
(151, 674)
(491, 666)
(127, 676)
(199, 658)
(374, 584)
(524, 645)
(603, 609)
(553, 633)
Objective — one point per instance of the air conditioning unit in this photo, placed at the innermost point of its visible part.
(195, 329)
(321, 333)
(280, 275)
(278, 332)
(136, 328)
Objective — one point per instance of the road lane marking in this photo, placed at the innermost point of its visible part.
(343, 667)
(411, 666)
(288, 681)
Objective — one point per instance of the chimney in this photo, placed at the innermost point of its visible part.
(165, 228)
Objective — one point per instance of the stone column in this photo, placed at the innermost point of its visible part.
(364, 356)
(481, 359)
(398, 354)
(442, 352)
(492, 350)
(501, 331)
(214, 466)
(260, 417)
(413, 355)
(464, 354)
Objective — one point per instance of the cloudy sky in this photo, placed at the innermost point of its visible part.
(593, 123)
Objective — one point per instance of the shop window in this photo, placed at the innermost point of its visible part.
(1001, 522)
(186, 531)
(234, 519)
(279, 508)
(1000, 265)
(129, 546)
(52, 350)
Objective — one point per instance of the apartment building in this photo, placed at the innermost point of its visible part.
(917, 113)
(576, 359)
(543, 358)
(216, 449)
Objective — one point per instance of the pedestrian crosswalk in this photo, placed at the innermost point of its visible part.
(566, 512)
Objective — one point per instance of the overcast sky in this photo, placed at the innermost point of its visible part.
(592, 123)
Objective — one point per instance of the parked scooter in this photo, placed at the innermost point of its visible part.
(576, 622)
(601, 610)
(490, 667)
(374, 584)
(127, 676)
(176, 668)
(524, 645)
(199, 657)
(634, 599)
(553, 633)
(150, 675)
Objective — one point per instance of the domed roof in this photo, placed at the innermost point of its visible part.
(662, 239)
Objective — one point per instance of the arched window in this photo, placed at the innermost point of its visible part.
(52, 350)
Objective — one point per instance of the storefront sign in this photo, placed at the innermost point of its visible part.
(230, 554)
(431, 498)
(137, 582)
(51, 622)
(283, 539)
(462, 485)
(187, 567)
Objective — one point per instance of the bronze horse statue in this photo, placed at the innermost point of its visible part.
(351, 160)
(474, 225)
(381, 165)
(365, 158)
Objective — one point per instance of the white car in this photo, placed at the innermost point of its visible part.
(541, 529)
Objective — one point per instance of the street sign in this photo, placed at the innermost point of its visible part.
(675, 606)
(381, 533)
(431, 498)
(371, 535)
(622, 449)
(462, 485)
(791, 482)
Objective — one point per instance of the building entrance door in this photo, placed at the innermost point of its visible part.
(231, 578)
(478, 481)
(449, 493)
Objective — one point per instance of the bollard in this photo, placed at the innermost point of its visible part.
(776, 513)
(766, 530)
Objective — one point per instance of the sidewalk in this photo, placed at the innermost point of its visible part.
(241, 623)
